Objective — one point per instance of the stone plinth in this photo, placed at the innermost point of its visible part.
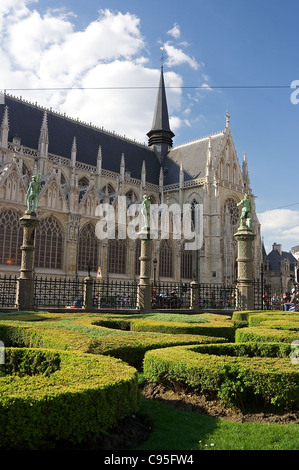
(25, 284)
(144, 286)
(244, 239)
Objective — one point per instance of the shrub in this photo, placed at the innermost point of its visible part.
(48, 396)
(222, 329)
(233, 379)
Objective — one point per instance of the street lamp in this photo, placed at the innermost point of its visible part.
(155, 267)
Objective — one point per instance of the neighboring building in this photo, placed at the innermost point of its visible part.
(82, 166)
(279, 269)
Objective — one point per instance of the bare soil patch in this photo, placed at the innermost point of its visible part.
(200, 404)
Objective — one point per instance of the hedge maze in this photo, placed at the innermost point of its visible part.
(69, 377)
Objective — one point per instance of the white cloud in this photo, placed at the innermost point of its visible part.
(175, 32)
(280, 226)
(178, 57)
(46, 51)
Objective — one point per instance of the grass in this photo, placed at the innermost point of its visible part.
(174, 429)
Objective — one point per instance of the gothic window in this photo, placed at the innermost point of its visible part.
(165, 265)
(233, 211)
(88, 248)
(117, 251)
(186, 264)
(130, 197)
(11, 237)
(49, 244)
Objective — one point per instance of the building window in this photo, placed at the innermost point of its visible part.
(11, 237)
(48, 244)
(88, 248)
(165, 264)
(186, 264)
(117, 251)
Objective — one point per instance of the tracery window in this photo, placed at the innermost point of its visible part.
(117, 251)
(233, 210)
(48, 244)
(11, 237)
(166, 262)
(88, 248)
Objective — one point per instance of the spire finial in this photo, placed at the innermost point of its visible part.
(227, 116)
(162, 55)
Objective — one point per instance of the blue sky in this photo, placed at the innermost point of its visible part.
(224, 47)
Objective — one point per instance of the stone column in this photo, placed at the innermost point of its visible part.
(244, 239)
(144, 286)
(25, 284)
(88, 287)
(194, 286)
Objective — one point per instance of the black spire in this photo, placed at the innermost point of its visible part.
(160, 136)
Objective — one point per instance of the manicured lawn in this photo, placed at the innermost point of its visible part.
(175, 429)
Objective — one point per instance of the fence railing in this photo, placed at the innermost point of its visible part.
(115, 294)
(64, 292)
(57, 292)
(8, 291)
(171, 295)
(217, 297)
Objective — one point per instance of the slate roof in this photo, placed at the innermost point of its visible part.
(193, 156)
(25, 120)
(275, 260)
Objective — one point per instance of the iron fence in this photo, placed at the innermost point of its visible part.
(115, 294)
(171, 295)
(263, 297)
(57, 292)
(217, 297)
(8, 290)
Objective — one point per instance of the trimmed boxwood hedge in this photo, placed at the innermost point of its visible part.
(266, 335)
(50, 396)
(220, 371)
(216, 329)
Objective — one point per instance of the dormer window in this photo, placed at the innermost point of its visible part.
(16, 140)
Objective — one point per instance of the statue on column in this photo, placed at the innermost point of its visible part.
(246, 205)
(145, 210)
(32, 195)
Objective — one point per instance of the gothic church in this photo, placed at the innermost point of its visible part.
(82, 166)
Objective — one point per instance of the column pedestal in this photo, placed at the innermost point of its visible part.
(144, 286)
(244, 239)
(25, 283)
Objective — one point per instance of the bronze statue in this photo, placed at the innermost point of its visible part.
(245, 213)
(32, 195)
(145, 210)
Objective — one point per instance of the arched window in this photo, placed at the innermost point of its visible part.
(165, 264)
(48, 244)
(186, 263)
(117, 251)
(11, 237)
(88, 248)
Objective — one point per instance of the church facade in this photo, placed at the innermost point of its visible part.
(82, 166)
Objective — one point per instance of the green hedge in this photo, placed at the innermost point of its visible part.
(215, 329)
(125, 345)
(51, 396)
(263, 334)
(233, 379)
